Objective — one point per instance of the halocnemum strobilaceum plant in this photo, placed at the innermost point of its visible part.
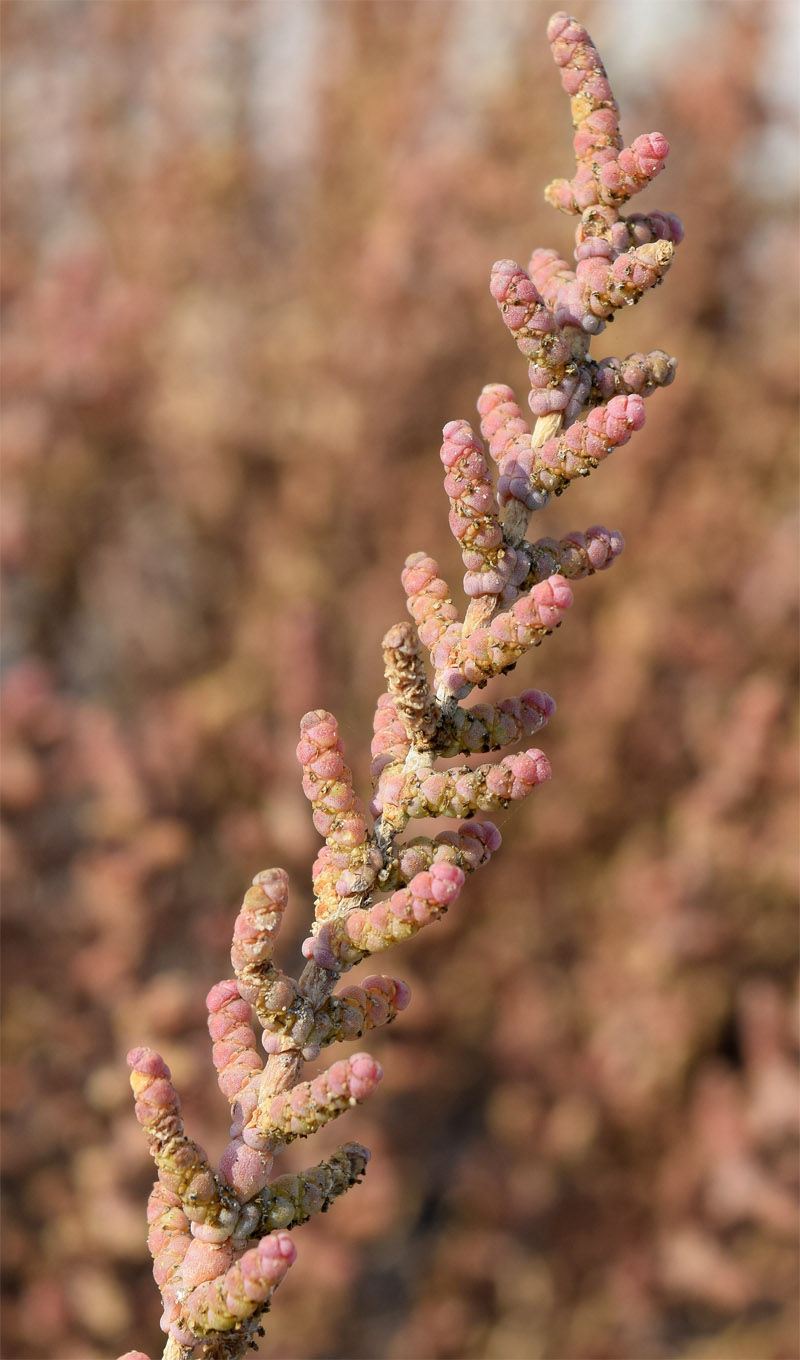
(221, 1237)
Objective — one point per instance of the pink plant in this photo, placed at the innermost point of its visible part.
(219, 1238)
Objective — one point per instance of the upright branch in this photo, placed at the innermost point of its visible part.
(219, 1237)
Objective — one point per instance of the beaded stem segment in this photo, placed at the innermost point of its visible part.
(338, 814)
(328, 783)
(606, 171)
(291, 1200)
(390, 741)
(574, 556)
(430, 601)
(550, 274)
(595, 112)
(268, 990)
(431, 606)
(641, 374)
(490, 727)
(223, 1303)
(555, 355)
(613, 181)
(575, 452)
(234, 1052)
(414, 702)
(168, 1239)
(469, 847)
(183, 1167)
(461, 791)
(310, 1104)
(473, 513)
(492, 650)
(351, 1011)
(344, 942)
(510, 441)
(610, 283)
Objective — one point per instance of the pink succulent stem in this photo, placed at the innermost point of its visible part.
(574, 556)
(473, 514)
(225, 1301)
(219, 1238)
(310, 1104)
(338, 814)
(407, 911)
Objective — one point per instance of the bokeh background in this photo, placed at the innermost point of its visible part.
(246, 260)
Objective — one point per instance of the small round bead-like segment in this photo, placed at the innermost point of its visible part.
(307, 1106)
(491, 650)
(473, 512)
(621, 234)
(604, 281)
(407, 911)
(565, 295)
(523, 309)
(223, 1303)
(612, 181)
(291, 1200)
(437, 619)
(257, 925)
(640, 229)
(239, 1066)
(245, 1169)
(391, 745)
(502, 420)
(550, 273)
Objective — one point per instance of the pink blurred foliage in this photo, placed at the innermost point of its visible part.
(221, 375)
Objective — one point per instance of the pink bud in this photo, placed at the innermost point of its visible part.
(447, 881)
(222, 994)
(149, 1063)
(364, 1075)
(536, 698)
(491, 836)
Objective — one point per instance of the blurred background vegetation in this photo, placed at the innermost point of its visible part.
(246, 259)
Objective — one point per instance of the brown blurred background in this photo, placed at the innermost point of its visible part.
(246, 261)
